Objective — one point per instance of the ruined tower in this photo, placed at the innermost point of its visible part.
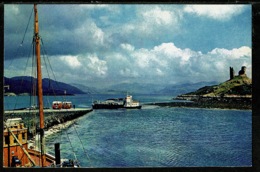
(232, 72)
(242, 71)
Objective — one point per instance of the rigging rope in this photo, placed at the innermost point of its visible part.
(52, 71)
(23, 77)
(27, 26)
(21, 44)
(71, 146)
(82, 145)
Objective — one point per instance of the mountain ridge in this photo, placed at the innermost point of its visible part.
(23, 85)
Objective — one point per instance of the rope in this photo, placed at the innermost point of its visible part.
(48, 60)
(23, 78)
(71, 146)
(27, 26)
(44, 50)
(21, 44)
(82, 145)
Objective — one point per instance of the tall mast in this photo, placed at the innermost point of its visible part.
(39, 81)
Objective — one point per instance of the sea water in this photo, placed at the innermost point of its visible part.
(155, 136)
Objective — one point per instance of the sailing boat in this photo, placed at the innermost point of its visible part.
(16, 152)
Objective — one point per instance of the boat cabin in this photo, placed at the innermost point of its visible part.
(15, 146)
(13, 154)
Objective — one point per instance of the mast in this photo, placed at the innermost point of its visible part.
(39, 81)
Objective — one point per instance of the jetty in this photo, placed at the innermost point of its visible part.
(51, 116)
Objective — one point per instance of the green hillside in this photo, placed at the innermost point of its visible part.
(239, 85)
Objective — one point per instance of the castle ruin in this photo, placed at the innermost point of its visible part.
(242, 72)
(231, 73)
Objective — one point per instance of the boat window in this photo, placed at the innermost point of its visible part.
(15, 139)
(24, 136)
(7, 140)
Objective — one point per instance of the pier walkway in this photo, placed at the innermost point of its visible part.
(51, 116)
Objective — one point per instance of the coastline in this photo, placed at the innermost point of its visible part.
(50, 131)
(207, 104)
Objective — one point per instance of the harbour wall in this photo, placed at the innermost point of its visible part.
(51, 117)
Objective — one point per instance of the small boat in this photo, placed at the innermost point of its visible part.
(126, 103)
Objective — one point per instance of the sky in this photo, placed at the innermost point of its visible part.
(100, 45)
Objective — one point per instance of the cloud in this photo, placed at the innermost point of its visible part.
(96, 66)
(97, 44)
(164, 64)
(235, 53)
(127, 47)
(158, 16)
(178, 64)
(217, 12)
(71, 61)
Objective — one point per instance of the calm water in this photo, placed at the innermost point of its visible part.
(155, 136)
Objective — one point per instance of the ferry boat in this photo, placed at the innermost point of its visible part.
(126, 103)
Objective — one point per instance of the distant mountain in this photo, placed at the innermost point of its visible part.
(24, 84)
(133, 88)
(184, 88)
(155, 88)
(86, 89)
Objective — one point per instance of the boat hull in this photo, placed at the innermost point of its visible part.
(133, 107)
(106, 106)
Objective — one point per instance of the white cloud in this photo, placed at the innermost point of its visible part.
(159, 16)
(71, 61)
(93, 6)
(164, 64)
(235, 53)
(127, 47)
(217, 12)
(89, 32)
(152, 22)
(172, 63)
(159, 72)
(96, 66)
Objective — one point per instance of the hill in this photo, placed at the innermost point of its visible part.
(239, 85)
(235, 93)
(24, 85)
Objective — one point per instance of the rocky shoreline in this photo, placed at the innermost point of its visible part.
(48, 132)
(53, 119)
(241, 102)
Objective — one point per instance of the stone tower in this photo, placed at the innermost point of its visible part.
(242, 71)
(232, 72)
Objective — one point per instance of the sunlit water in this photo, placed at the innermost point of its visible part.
(156, 136)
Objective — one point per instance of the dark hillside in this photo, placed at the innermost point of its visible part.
(24, 85)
